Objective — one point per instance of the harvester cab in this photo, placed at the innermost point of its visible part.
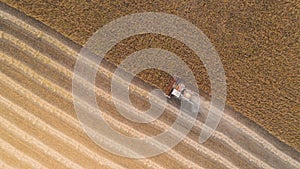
(178, 90)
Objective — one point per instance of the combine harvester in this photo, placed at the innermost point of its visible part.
(178, 90)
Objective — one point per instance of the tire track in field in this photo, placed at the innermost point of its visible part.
(37, 144)
(3, 165)
(19, 155)
(56, 133)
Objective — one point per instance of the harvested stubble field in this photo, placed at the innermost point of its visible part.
(257, 44)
